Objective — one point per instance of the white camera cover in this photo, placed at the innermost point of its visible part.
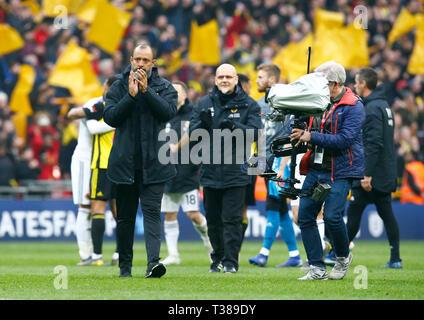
(308, 95)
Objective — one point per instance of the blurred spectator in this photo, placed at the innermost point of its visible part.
(246, 54)
(37, 132)
(106, 69)
(4, 106)
(412, 190)
(8, 134)
(49, 159)
(27, 167)
(7, 169)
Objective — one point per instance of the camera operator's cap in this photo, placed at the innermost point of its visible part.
(333, 71)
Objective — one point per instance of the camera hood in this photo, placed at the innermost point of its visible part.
(307, 96)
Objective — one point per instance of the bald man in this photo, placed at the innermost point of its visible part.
(138, 105)
(227, 112)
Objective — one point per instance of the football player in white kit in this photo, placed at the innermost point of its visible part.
(89, 114)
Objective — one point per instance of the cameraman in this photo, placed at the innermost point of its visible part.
(337, 158)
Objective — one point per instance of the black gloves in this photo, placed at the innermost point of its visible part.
(206, 118)
(227, 124)
(97, 112)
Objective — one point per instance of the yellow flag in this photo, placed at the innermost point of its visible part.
(19, 101)
(53, 8)
(328, 45)
(32, 5)
(10, 39)
(328, 19)
(20, 121)
(75, 5)
(330, 41)
(108, 27)
(87, 12)
(73, 71)
(347, 45)
(204, 43)
(416, 61)
(403, 24)
(355, 40)
(333, 41)
(293, 59)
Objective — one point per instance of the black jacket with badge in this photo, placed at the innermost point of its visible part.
(187, 177)
(149, 112)
(379, 148)
(235, 111)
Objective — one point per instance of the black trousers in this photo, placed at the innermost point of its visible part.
(383, 202)
(224, 215)
(128, 198)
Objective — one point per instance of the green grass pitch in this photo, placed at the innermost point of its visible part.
(27, 271)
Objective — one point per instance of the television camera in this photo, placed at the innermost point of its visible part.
(307, 96)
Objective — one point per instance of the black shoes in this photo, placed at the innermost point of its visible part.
(228, 269)
(125, 273)
(215, 267)
(156, 271)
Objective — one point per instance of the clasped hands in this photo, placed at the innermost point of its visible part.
(137, 81)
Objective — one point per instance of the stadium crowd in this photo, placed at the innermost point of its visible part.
(251, 33)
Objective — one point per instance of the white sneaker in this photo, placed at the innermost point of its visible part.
(305, 266)
(85, 262)
(315, 273)
(171, 260)
(340, 268)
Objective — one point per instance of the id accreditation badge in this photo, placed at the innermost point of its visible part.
(318, 155)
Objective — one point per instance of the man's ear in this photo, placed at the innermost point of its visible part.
(154, 61)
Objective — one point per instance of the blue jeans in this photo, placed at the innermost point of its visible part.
(334, 207)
